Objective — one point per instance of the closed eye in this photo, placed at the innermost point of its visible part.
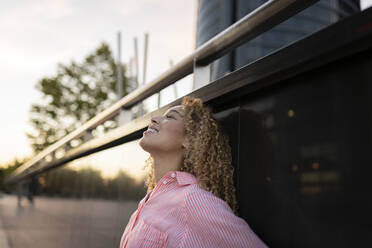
(169, 116)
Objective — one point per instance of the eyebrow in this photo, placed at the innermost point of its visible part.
(173, 110)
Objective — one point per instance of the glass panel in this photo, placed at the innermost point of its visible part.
(304, 156)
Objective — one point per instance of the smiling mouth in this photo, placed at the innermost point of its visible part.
(150, 130)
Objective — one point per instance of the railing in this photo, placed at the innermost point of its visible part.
(255, 23)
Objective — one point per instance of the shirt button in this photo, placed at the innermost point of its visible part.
(173, 175)
(164, 182)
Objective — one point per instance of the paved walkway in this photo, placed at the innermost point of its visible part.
(4, 243)
(58, 222)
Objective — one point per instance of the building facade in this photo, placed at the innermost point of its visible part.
(215, 16)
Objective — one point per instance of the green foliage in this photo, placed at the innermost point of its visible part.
(89, 183)
(5, 171)
(73, 96)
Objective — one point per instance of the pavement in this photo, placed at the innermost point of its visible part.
(4, 243)
(59, 222)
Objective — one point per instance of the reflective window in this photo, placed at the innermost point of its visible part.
(302, 157)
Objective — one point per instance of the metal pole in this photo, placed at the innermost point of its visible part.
(145, 59)
(119, 67)
(130, 80)
(119, 82)
(159, 99)
(145, 69)
(124, 115)
(174, 85)
(136, 61)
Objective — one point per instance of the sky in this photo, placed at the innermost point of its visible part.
(36, 35)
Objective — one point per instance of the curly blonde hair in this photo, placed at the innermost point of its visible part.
(207, 156)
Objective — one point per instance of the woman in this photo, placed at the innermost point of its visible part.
(190, 200)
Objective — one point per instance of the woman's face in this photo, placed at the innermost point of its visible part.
(165, 133)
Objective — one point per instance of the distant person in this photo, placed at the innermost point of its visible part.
(19, 194)
(190, 199)
(32, 186)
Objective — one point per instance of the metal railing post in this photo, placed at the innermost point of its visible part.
(202, 75)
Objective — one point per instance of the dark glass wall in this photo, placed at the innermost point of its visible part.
(215, 16)
(302, 156)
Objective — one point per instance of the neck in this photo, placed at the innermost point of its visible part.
(164, 163)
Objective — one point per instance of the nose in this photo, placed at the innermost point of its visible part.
(155, 119)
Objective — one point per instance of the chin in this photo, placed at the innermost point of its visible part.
(145, 144)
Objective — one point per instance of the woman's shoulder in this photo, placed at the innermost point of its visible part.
(199, 198)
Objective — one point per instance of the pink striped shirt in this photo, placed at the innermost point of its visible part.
(179, 213)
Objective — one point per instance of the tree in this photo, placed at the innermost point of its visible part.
(73, 96)
(124, 187)
(6, 170)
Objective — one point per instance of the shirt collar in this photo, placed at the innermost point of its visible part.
(182, 177)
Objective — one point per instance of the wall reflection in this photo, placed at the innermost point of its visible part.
(301, 155)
